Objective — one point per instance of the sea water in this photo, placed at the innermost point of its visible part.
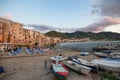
(87, 46)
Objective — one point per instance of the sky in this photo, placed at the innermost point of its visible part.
(64, 15)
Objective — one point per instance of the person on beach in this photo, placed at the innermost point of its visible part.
(45, 64)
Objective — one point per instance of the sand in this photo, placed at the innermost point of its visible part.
(32, 68)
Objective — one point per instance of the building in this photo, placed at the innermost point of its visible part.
(13, 32)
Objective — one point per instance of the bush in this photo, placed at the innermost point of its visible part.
(108, 76)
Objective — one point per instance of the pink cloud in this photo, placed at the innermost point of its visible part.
(100, 25)
(8, 16)
(113, 20)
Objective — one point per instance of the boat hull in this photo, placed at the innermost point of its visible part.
(107, 65)
(102, 55)
(56, 74)
(32, 52)
(93, 67)
(60, 72)
(78, 68)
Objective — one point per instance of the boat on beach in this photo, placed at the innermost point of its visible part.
(59, 70)
(84, 53)
(115, 55)
(102, 55)
(106, 51)
(39, 51)
(110, 65)
(16, 51)
(30, 51)
(56, 58)
(84, 62)
(77, 67)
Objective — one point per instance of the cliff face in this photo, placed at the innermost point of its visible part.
(13, 32)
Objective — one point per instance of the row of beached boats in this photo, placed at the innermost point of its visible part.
(113, 55)
(28, 50)
(103, 54)
(60, 65)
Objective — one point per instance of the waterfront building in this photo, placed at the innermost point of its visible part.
(13, 32)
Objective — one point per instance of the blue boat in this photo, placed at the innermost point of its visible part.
(39, 51)
(16, 51)
(30, 51)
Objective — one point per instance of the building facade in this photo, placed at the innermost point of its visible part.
(13, 32)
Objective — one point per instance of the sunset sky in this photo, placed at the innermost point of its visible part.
(64, 15)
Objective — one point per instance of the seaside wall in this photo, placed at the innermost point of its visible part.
(13, 32)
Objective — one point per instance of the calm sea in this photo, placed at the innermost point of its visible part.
(87, 46)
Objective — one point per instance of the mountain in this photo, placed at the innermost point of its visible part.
(79, 34)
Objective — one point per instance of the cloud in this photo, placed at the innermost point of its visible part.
(107, 8)
(46, 28)
(100, 25)
(8, 16)
(113, 28)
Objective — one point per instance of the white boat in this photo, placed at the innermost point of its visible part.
(110, 59)
(107, 64)
(84, 53)
(100, 54)
(57, 58)
(77, 67)
(84, 63)
(115, 55)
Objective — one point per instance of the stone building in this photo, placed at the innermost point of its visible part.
(13, 32)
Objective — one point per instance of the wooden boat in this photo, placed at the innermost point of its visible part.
(109, 65)
(16, 51)
(102, 55)
(59, 70)
(30, 51)
(84, 62)
(57, 58)
(84, 53)
(77, 67)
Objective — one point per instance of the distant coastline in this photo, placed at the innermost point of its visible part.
(87, 46)
(88, 36)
